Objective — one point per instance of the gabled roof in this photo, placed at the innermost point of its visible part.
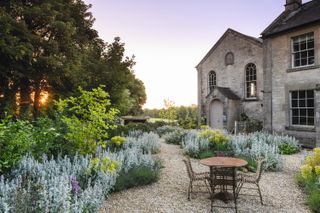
(253, 40)
(308, 13)
(226, 92)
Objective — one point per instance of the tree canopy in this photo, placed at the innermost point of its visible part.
(51, 46)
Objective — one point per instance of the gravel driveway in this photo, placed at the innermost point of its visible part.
(279, 190)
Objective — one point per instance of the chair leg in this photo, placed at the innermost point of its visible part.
(189, 189)
(260, 193)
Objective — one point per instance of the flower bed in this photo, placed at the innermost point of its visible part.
(309, 179)
(78, 184)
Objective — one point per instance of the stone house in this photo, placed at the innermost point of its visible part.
(291, 55)
(230, 79)
(282, 89)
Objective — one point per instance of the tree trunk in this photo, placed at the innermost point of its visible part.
(23, 108)
(36, 102)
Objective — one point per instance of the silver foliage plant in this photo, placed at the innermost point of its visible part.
(262, 145)
(147, 142)
(192, 145)
(46, 187)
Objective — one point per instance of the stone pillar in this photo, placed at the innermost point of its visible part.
(317, 118)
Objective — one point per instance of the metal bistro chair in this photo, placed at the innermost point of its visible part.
(226, 179)
(196, 177)
(252, 179)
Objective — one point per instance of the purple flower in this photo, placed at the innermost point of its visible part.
(75, 185)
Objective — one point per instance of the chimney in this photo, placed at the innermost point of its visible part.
(293, 5)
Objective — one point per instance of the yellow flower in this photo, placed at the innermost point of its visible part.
(306, 171)
(309, 161)
(317, 170)
(118, 140)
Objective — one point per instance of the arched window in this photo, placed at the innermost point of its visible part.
(251, 81)
(229, 59)
(212, 80)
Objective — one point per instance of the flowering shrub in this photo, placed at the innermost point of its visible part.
(147, 142)
(213, 136)
(312, 166)
(118, 140)
(309, 178)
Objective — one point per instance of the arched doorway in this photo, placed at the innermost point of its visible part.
(216, 114)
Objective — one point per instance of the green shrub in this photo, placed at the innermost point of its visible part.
(206, 154)
(18, 138)
(88, 118)
(313, 200)
(137, 176)
(288, 149)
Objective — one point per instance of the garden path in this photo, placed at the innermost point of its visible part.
(280, 193)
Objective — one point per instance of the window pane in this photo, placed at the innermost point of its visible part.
(311, 121)
(297, 56)
(294, 103)
(297, 63)
(310, 103)
(310, 53)
(310, 112)
(310, 60)
(302, 103)
(303, 121)
(303, 112)
(310, 44)
(296, 47)
(295, 120)
(302, 94)
(304, 54)
(295, 112)
(310, 94)
(294, 95)
(303, 62)
(303, 45)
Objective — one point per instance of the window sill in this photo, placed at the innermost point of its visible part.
(297, 69)
(301, 128)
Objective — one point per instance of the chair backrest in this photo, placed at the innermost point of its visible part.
(189, 167)
(261, 163)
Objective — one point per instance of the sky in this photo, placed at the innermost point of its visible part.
(170, 37)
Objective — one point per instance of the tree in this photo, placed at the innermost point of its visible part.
(50, 46)
(56, 32)
(169, 111)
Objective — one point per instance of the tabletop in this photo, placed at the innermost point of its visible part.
(223, 162)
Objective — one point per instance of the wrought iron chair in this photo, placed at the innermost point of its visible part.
(253, 179)
(226, 179)
(196, 177)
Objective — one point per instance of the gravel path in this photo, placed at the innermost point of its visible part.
(279, 190)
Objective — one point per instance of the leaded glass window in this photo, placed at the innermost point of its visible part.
(212, 80)
(251, 81)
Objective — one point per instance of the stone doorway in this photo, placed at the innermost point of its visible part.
(216, 114)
